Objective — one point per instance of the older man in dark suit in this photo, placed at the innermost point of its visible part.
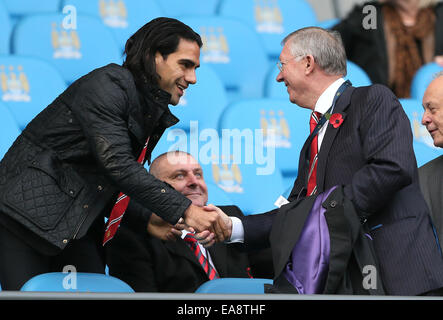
(157, 261)
(360, 140)
(430, 174)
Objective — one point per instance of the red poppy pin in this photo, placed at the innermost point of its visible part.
(336, 119)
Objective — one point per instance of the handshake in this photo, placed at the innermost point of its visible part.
(209, 223)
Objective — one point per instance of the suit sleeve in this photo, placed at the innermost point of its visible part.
(386, 139)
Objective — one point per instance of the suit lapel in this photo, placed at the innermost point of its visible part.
(329, 137)
(180, 248)
(219, 256)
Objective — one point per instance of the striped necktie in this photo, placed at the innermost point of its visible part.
(312, 176)
(120, 206)
(204, 262)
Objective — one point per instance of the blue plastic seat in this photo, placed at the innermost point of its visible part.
(217, 196)
(240, 169)
(423, 78)
(274, 89)
(5, 25)
(234, 51)
(75, 282)
(175, 8)
(290, 122)
(271, 19)
(423, 143)
(234, 285)
(202, 102)
(74, 52)
(28, 86)
(9, 130)
(122, 17)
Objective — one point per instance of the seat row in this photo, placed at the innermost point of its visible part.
(94, 283)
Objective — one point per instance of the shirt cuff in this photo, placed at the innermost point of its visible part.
(238, 233)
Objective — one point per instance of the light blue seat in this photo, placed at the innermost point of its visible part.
(291, 124)
(122, 17)
(329, 23)
(75, 282)
(234, 285)
(74, 52)
(5, 25)
(202, 102)
(271, 19)
(423, 78)
(423, 144)
(175, 8)
(28, 86)
(234, 51)
(9, 129)
(274, 89)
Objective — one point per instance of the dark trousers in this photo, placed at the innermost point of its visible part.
(19, 261)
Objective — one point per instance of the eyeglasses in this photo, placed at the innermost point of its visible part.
(280, 64)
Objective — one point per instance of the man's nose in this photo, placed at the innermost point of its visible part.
(191, 77)
(279, 77)
(426, 119)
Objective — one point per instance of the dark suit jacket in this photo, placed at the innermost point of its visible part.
(431, 184)
(371, 155)
(148, 264)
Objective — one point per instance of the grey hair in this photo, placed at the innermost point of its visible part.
(326, 46)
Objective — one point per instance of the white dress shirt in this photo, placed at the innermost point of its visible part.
(203, 250)
(322, 105)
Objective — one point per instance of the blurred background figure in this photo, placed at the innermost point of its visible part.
(394, 41)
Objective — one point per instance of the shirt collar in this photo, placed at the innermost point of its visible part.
(325, 100)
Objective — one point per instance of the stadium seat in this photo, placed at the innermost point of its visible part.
(423, 78)
(73, 51)
(328, 24)
(122, 17)
(217, 196)
(75, 282)
(28, 86)
(234, 285)
(423, 144)
(291, 124)
(271, 19)
(9, 129)
(234, 51)
(202, 102)
(5, 35)
(243, 170)
(175, 8)
(274, 89)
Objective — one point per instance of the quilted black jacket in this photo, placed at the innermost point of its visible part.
(66, 168)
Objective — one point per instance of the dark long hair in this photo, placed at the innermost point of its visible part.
(159, 35)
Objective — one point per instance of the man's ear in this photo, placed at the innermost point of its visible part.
(310, 62)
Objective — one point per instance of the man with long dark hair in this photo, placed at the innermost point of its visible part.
(63, 174)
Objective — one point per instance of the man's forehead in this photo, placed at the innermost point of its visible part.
(179, 161)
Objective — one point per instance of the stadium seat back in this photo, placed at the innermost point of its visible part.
(234, 51)
(274, 89)
(423, 143)
(272, 20)
(28, 86)
(75, 282)
(5, 35)
(234, 286)
(74, 49)
(9, 130)
(175, 8)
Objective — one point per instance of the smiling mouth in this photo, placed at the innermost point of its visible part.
(182, 88)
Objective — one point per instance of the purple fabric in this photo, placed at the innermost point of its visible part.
(308, 264)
